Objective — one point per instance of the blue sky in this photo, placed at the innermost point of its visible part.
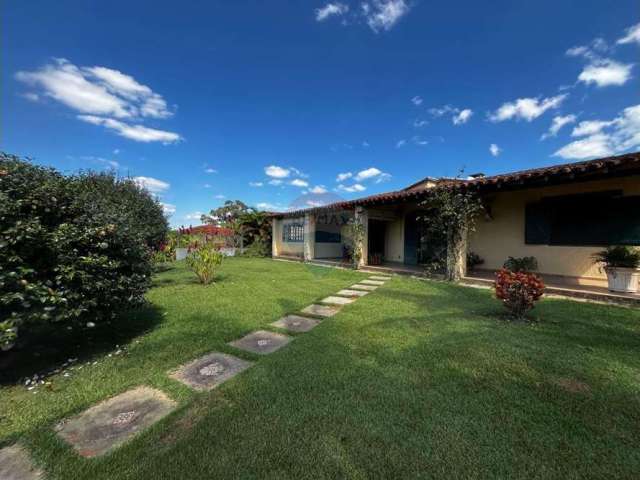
(206, 101)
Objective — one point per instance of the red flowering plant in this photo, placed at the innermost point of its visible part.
(518, 291)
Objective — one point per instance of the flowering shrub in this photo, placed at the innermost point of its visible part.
(518, 291)
(204, 261)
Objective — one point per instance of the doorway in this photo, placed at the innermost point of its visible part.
(377, 233)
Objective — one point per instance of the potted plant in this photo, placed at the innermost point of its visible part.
(621, 266)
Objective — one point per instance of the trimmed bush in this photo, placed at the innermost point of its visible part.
(71, 248)
(518, 291)
(521, 264)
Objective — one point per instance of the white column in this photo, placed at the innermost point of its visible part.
(275, 236)
(309, 236)
(362, 216)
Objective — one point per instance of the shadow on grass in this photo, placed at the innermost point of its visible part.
(40, 351)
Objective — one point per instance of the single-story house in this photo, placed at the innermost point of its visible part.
(560, 214)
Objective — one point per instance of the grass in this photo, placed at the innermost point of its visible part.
(416, 380)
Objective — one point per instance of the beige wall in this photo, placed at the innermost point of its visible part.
(502, 236)
(286, 248)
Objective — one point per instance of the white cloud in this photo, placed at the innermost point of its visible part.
(275, 181)
(458, 116)
(384, 14)
(314, 203)
(152, 184)
(417, 123)
(401, 143)
(116, 151)
(526, 108)
(275, 171)
(96, 90)
(417, 100)
(318, 189)
(356, 187)
(331, 9)
(256, 184)
(168, 209)
(578, 51)
(589, 127)
(297, 182)
(207, 185)
(557, 123)
(193, 216)
(210, 170)
(139, 133)
(462, 117)
(495, 149)
(298, 173)
(366, 174)
(604, 138)
(592, 146)
(418, 140)
(440, 111)
(383, 177)
(32, 97)
(632, 35)
(219, 196)
(343, 176)
(605, 72)
(365, 144)
(149, 104)
(268, 206)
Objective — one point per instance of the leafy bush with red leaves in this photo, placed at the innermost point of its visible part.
(518, 291)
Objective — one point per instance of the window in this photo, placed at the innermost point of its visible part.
(591, 219)
(322, 236)
(293, 232)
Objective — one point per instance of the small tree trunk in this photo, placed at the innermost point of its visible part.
(456, 253)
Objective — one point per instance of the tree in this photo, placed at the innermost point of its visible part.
(452, 213)
(227, 214)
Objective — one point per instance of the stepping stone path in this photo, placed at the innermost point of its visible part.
(352, 293)
(359, 286)
(110, 423)
(15, 464)
(384, 279)
(261, 342)
(296, 323)
(377, 283)
(337, 300)
(321, 310)
(206, 373)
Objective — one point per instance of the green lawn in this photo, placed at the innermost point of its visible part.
(416, 380)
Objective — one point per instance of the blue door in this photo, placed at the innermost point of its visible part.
(410, 239)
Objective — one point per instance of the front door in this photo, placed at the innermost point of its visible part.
(377, 232)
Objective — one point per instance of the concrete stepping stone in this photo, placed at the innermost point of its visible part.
(333, 300)
(15, 464)
(321, 310)
(377, 283)
(206, 373)
(352, 293)
(261, 342)
(296, 323)
(377, 277)
(359, 286)
(110, 423)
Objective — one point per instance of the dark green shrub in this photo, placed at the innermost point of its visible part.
(259, 248)
(65, 256)
(474, 260)
(521, 264)
(619, 256)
